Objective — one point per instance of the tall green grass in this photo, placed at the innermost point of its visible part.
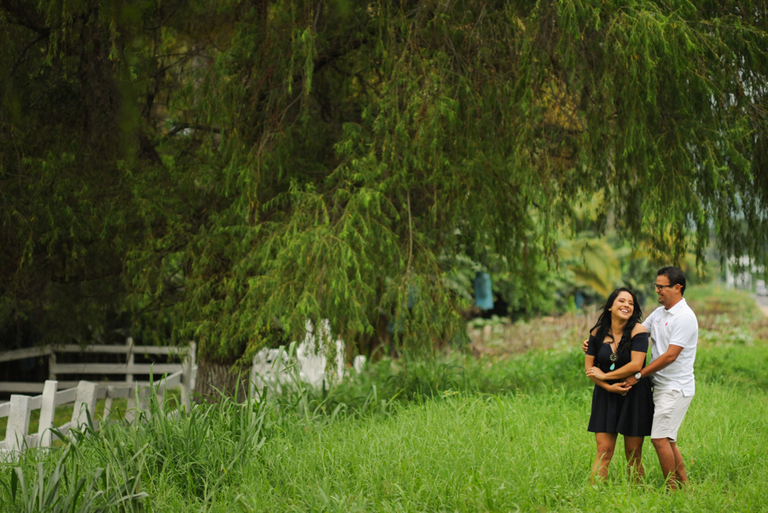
(517, 452)
(125, 467)
(452, 433)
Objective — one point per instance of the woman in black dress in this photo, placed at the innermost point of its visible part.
(618, 344)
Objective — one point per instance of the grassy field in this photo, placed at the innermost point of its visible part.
(456, 433)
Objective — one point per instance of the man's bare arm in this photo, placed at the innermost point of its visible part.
(659, 363)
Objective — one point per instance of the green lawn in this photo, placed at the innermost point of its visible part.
(455, 433)
(531, 453)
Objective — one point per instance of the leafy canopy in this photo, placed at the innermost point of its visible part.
(245, 166)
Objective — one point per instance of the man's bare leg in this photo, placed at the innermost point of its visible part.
(672, 465)
(680, 474)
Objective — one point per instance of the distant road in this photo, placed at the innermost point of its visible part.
(762, 302)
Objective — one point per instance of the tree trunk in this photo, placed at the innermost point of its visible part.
(216, 380)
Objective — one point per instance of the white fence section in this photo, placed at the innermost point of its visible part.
(270, 369)
(313, 354)
(83, 398)
(270, 366)
(128, 369)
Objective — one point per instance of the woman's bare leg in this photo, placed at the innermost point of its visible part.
(633, 448)
(606, 443)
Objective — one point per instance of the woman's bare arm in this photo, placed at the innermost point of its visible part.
(622, 372)
(629, 369)
(616, 388)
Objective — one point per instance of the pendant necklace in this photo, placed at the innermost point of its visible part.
(613, 357)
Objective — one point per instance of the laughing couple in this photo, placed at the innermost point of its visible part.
(635, 399)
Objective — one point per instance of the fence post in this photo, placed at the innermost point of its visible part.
(51, 364)
(159, 390)
(186, 377)
(47, 411)
(252, 378)
(142, 398)
(193, 372)
(129, 360)
(130, 408)
(84, 403)
(18, 422)
(108, 401)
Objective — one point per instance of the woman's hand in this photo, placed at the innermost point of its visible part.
(619, 388)
(596, 373)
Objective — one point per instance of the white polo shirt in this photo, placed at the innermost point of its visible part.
(677, 326)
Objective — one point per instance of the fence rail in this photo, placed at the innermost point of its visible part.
(129, 369)
(312, 363)
(83, 398)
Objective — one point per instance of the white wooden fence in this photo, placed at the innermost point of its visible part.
(129, 369)
(311, 364)
(83, 398)
(269, 369)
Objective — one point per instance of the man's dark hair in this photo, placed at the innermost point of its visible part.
(675, 276)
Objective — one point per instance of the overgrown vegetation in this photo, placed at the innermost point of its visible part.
(457, 433)
(224, 171)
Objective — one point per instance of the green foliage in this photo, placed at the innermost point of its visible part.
(733, 333)
(735, 365)
(458, 435)
(419, 380)
(501, 453)
(228, 171)
(596, 265)
(195, 454)
(77, 489)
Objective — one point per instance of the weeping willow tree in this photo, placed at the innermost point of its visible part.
(236, 168)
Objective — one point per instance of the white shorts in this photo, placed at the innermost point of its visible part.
(669, 409)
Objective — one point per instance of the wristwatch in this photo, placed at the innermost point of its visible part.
(638, 376)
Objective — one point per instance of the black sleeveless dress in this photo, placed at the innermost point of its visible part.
(631, 414)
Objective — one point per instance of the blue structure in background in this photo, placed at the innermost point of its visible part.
(579, 300)
(413, 296)
(483, 291)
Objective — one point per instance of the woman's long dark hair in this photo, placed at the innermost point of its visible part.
(604, 325)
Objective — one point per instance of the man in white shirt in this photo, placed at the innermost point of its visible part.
(675, 332)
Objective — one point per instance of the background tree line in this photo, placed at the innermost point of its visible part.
(224, 171)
